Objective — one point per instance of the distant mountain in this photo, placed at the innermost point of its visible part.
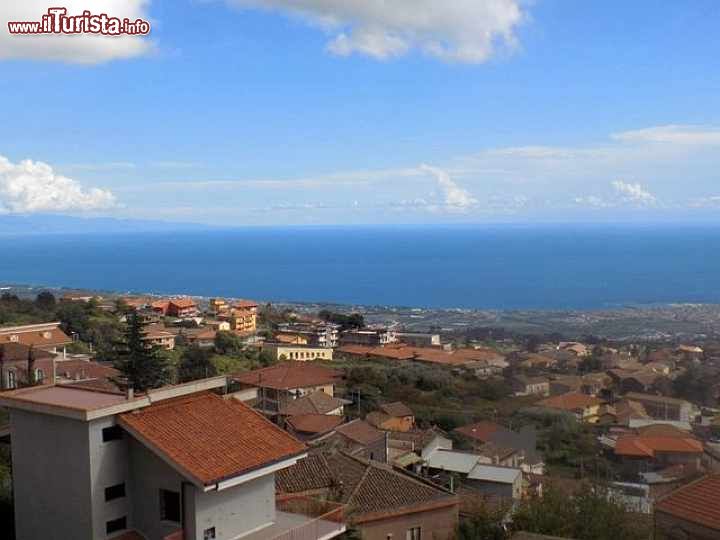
(56, 224)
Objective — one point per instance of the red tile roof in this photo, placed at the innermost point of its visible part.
(183, 303)
(481, 431)
(245, 304)
(697, 502)
(360, 432)
(289, 375)
(209, 438)
(316, 403)
(642, 446)
(49, 335)
(396, 409)
(14, 352)
(572, 401)
(314, 423)
(83, 370)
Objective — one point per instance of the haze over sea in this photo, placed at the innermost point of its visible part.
(483, 267)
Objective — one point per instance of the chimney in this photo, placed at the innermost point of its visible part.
(129, 391)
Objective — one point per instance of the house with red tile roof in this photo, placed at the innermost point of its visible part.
(382, 501)
(392, 417)
(361, 439)
(657, 446)
(585, 408)
(179, 462)
(479, 433)
(690, 512)
(46, 336)
(275, 386)
(182, 308)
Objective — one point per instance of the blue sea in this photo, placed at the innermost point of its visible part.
(484, 267)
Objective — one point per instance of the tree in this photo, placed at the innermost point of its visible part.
(228, 343)
(46, 301)
(195, 364)
(142, 364)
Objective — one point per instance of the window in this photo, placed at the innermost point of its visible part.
(11, 379)
(169, 505)
(112, 433)
(413, 534)
(114, 492)
(39, 375)
(209, 534)
(115, 525)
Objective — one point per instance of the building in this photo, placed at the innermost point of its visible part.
(15, 361)
(316, 334)
(663, 408)
(371, 338)
(475, 472)
(157, 336)
(417, 339)
(273, 387)
(406, 448)
(480, 433)
(46, 336)
(392, 417)
(585, 408)
(311, 428)
(383, 502)
(218, 306)
(177, 463)
(360, 439)
(182, 308)
(301, 353)
(523, 385)
(242, 316)
(316, 403)
(86, 371)
(691, 512)
(657, 446)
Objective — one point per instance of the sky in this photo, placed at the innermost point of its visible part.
(315, 112)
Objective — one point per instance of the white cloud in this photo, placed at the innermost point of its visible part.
(457, 30)
(79, 48)
(676, 134)
(634, 193)
(456, 199)
(33, 186)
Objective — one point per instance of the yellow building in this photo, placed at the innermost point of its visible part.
(301, 353)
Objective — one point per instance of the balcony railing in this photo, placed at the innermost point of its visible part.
(297, 518)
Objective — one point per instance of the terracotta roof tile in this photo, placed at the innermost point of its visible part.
(289, 375)
(183, 303)
(396, 409)
(13, 352)
(314, 423)
(642, 446)
(360, 432)
(211, 438)
(571, 401)
(698, 502)
(316, 403)
(36, 335)
(481, 431)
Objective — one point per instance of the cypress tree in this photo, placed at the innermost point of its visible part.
(141, 363)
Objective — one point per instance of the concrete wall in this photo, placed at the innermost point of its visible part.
(437, 524)
(51, 472)
(108, 467)
(150, 474)
(234, 511)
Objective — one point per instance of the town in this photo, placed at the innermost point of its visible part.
(168, 418)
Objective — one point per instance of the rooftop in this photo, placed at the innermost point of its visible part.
(360, 431)
(396, 409)
(697, 502)
(210, 439)
(316, 403)
(289, 375)
(314, 423)
(480, 431)
(572, 401)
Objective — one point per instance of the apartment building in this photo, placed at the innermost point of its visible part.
(372, 338)
(325, 335)
(177, 463)
(301, 353)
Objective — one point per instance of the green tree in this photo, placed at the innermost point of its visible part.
(46, 301)
(195, 363)
(228, 343)
(141, 363)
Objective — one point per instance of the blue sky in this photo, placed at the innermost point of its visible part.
(244, 112)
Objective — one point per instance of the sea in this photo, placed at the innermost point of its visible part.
(503, 267)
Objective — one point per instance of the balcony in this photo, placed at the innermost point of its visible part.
(297, 518)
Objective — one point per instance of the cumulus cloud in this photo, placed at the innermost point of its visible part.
(634, 193)
(79, 48)
(456, 199)
(677, 134)
(457, 30)
(33, 186)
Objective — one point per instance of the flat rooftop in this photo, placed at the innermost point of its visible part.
(88, 403)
